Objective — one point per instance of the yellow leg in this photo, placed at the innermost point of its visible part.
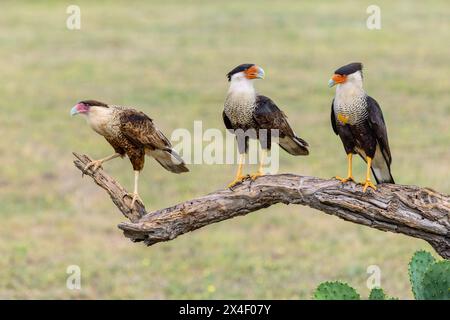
(239, 177)
(349, 170)
(260, 171)
(98, 163)
(368, 183)
(135, 195)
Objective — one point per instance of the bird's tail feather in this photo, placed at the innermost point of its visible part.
(169, 159)
(381, 169)
(294, 145)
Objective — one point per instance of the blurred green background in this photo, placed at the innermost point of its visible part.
(169, 59)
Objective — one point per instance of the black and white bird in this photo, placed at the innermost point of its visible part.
(358, 120)
(246, 110)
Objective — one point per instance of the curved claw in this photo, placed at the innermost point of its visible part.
(237, 180)
(96, 163)
(344, 180)
(253, 176)
(368, 184)
(134, 197)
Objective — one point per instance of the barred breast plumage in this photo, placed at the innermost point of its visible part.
(354, 110)
(239, 109)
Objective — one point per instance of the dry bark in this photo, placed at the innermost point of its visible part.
(413, 211)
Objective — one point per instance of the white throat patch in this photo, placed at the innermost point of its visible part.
(350, 100)
(240, 100)
(99, 118)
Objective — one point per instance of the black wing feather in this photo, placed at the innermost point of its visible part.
(227, 121)
(333, 118)
(268, 116)
(376, 122)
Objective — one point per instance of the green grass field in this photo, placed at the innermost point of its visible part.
(169, 58)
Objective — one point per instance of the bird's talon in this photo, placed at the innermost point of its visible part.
(134, 197)
(96, 163)
(237, 180)
(256, 175)
(344, 180)
(368, 184)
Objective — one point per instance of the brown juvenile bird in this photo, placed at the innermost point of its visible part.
(132, 133)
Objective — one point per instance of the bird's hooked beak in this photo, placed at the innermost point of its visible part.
(79, 108)
(254, 72)
(336, 79)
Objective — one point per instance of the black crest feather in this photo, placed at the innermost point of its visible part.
(238, 69)
(349, 68)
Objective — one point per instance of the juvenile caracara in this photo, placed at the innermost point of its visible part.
(358, 120)
(245, 109)
(130, 132)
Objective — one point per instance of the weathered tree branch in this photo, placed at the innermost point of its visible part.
(417, 212)
(117, 193)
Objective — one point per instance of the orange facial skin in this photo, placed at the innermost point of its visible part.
(337, 78)
(253, 72)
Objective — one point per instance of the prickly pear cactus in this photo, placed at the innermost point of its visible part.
(436, 281)
(418, 265)
(335, 290)
(377, 294)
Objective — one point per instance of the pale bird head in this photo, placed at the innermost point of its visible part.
(83, 107)
(350, 73)
(246, 71)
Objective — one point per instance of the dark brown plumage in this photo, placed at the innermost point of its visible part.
(132, 133)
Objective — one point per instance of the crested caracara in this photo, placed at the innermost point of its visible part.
(246, 110)
(132, 133)
(358, 120)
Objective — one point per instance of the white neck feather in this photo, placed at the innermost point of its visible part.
(241, 86)
(99, 118)
(351, 88)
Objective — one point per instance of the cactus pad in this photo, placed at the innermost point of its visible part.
(377, 294)
(418, 265)
(335, 290)
(436, 281)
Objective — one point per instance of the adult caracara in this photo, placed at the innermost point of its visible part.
(245, 109)
(358, 120)
(132, 133)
